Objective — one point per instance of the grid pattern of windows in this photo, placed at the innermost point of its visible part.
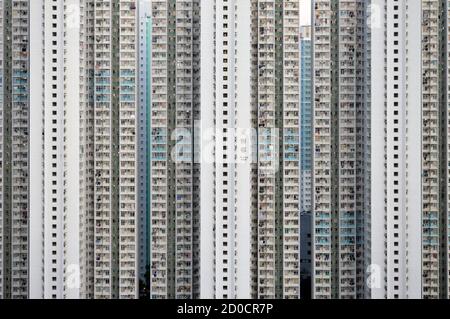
(340, 106)
(115, 160)
(14, 142)
(305, 119)
(435, 168)
(174, 181)
(143, 129)
(53, 141)
(275, 98)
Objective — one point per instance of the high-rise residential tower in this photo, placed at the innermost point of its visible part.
(435, 148)
(174, 170)
(275, 107)
(396, 149)
(410, 134)
(83, 173)
(227, 257)
(14, 148)
(341, 113)
(69, 224)
(305, 160)
(115, 148)
(250, 232)
(40, 192)
(54, 133)
(144, 129)
(305, 119)
(86, 22)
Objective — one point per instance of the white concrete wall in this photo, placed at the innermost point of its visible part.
(72, 164)
(206, 151)
(36, 150)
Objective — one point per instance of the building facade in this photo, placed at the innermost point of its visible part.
(84, 171)
(218, 150)
(115, 155)
(250, 243)
(410, 243)
(305, 160)
(86, 39)
(14, 148)
(275, 103)
(341, 113)
(143, 127)
(69, 213)
(174, 172)
(54, 124)
(396, 143)
(305, 119)
(227, 227)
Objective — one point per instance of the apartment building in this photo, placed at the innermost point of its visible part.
(83, 172)
(143, 129)
(305, 160)
(305, 119)
(14, 148)
(250, 242)
(69, 213)
(87, 202)
(275, 102)
(435, 241)
(410, 145)
(341, 113)
(228, 268)
(115, 153)
(54, 123)
(174, 171)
